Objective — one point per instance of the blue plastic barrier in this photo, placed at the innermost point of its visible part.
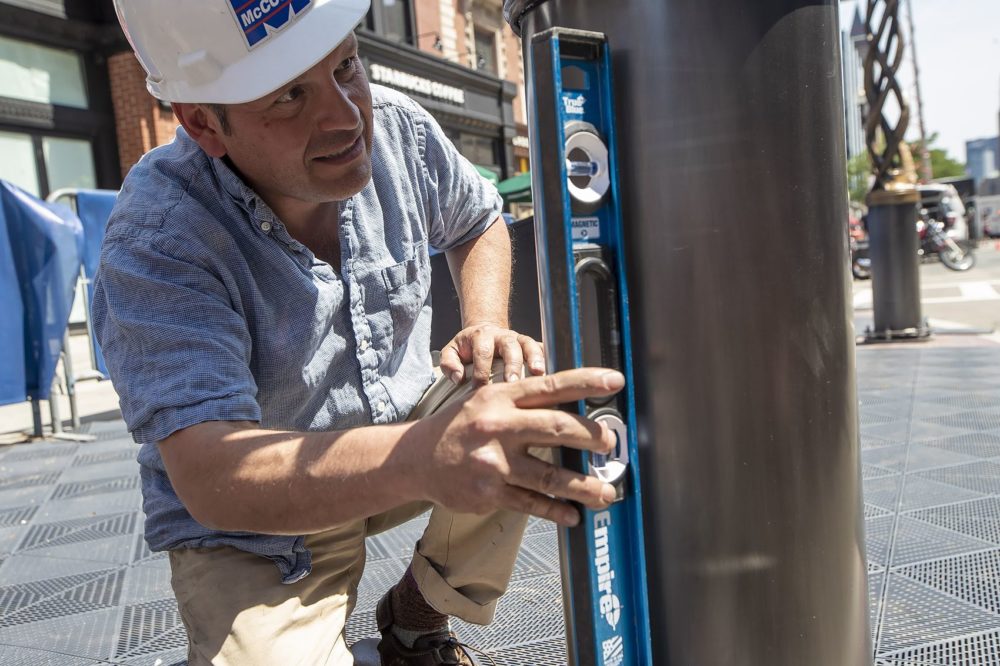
(46, 243)
(93, 207)
(13, 387)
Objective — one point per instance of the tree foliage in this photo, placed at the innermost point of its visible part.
(859, 177)
(942, 164)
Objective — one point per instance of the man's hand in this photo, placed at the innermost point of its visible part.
(481, 343)
(474, 455)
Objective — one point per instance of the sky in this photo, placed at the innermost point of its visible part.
(958, 51)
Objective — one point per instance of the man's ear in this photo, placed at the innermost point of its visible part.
(202, 126)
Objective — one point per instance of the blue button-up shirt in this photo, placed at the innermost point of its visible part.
(208, 310)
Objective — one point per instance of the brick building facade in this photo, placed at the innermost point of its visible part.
(74, 110)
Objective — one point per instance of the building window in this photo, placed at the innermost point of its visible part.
(486, 52)
(42, 164)
(18, 163)
(36, 73)
(68, 163)
(480, 150)
(391, 19)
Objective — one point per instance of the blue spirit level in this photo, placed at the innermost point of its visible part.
(585, 323)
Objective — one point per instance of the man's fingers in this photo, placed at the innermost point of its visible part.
(566, 386)
(483, 347)
(451, 363)
(536, 504)
(541, 477)
(534, 354)
(513, 360)
(550, 427)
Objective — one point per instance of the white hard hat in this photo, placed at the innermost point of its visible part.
(232, 51)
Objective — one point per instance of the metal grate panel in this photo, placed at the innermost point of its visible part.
(921, 456)
(877, 533)
(974, 578)
(891, 458)
(59, 597)
(975, 400)
(871, 418)
(923, 430)
(874, 471)
(378, 577)
(40, 452)
(884, 492)
(11, 655)
(95, 487)
(105, 431)
(916, 541)
(979, 519)
(919, 493)
(29, 480)
(151, 627)
(104, 457)
(915, 614)
(983, 477)
(981, 649)
(872, 511)
(81, 529)
(17, 516)
(980, 445)
(980, 419)
(142, 553)
(543, 653)
(539, 555)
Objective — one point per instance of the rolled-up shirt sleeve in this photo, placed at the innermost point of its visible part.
(463, 203)
(176, 346)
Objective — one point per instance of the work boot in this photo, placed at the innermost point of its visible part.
(441, 648)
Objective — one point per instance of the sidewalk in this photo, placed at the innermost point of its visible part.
(79, 587)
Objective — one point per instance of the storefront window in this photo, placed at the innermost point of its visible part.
(64, 162)
(18, 163)
(69, 163)
(486, 52)
(479, 150)
(37, 73)
(391, 19)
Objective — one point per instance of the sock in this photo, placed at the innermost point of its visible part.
(413, 616)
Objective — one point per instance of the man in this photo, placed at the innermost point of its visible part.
(263, 308)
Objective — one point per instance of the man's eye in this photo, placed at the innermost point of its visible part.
(346, 65)
(290, 96)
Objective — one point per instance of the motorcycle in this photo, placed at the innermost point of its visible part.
(861, 263)
(934, 240)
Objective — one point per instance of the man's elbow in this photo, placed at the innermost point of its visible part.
(195, 476)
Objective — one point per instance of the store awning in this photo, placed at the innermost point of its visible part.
(516, 189)
(488, 174)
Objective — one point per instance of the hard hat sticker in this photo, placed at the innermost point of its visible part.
(255, 16)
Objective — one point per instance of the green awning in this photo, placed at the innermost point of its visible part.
(488, 174)
(516, 189)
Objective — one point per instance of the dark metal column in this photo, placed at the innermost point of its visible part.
(892, 203)
(733, 174)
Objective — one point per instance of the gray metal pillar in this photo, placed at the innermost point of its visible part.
(894, 197)
(734, 191)
(893, 245)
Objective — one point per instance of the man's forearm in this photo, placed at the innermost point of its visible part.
(481, 271)
(237, 477)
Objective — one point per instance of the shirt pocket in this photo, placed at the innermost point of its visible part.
(407, 286)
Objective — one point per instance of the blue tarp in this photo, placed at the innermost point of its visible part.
(46, 243)
(12, 379)
(94, 208)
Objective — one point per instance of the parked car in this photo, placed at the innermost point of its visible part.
(945, 205)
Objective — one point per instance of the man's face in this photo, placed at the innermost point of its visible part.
(310, 141)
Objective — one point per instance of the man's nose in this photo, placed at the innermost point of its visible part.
(337, 111)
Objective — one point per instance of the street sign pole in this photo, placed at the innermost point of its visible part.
(585, 321)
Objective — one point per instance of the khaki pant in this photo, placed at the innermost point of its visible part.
(238, 613)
